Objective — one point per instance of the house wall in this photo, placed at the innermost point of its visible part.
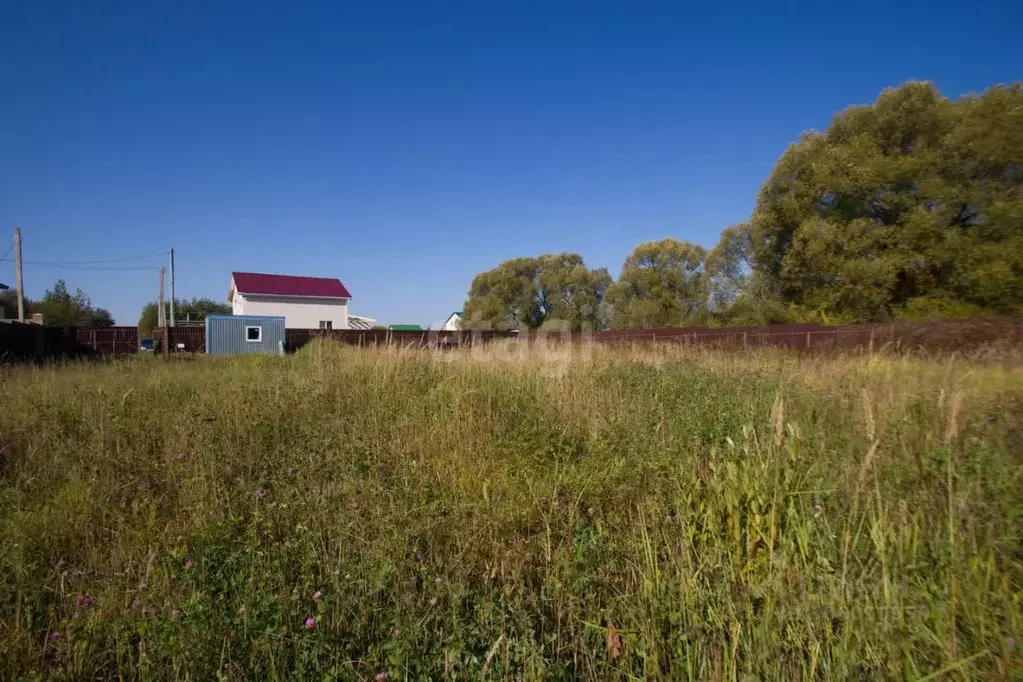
(452, 324)
(298, 312)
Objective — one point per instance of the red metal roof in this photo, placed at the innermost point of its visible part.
(287, 285)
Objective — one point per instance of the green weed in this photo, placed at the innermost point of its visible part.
(625, 514)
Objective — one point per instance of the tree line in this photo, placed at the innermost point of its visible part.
(909, 208)
(58, 306)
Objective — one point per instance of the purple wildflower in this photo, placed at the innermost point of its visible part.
(292, 470)
(135, 603)
(180, 456)
(381, 677)
(1010, 643)
(260, 494)
(438, 580)
(317, 596)
(310, 623)
(177, 484)
(82, 600)
(188, 564)
(54, 636)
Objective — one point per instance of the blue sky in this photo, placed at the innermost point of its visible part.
(405, 147)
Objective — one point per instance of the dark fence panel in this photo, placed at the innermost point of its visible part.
(296, 338)
(21, 342)
(950, 335)
(192, 339)
(108, 340)
(185, 338)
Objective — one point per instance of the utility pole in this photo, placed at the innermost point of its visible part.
(17, 274)
(171, 323)
(160, 313)
(160, 321)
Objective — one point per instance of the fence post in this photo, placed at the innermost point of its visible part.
(745, 340)
(807, 339)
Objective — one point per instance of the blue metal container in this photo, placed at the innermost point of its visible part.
(240, 334)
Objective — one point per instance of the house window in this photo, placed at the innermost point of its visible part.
(326, 324)
(254, 334)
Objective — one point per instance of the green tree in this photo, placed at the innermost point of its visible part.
(9, 304)
(185, 311)
(59, 306)
(530, 293)
(662, 284)
(729, 267)
(905, 207)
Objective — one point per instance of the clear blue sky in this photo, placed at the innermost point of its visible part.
(404, 147)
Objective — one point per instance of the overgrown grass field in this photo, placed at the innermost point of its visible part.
(594, 514)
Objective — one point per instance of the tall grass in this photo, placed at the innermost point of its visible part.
(631, 514)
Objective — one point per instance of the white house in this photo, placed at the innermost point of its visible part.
(453, 323)
(303, 302)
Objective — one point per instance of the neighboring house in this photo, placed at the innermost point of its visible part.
(453, 323)
(405, 328)
(304, 302)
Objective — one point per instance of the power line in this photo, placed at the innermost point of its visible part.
(64, 266)
(68, 264)
(9, 249)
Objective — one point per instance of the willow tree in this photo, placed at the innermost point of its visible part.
(906, 207)
(662, 284)
(530, 293)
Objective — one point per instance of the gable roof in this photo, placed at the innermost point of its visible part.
(289, 285)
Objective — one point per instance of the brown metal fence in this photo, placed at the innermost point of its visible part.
(193, 339)
(950, 335)
(296, 338)
(186, 338)
(108, 340)
(21, 342)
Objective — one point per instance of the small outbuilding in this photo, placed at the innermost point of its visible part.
(453, 323)
(241, 334)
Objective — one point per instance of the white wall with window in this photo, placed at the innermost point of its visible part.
(299, 312)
